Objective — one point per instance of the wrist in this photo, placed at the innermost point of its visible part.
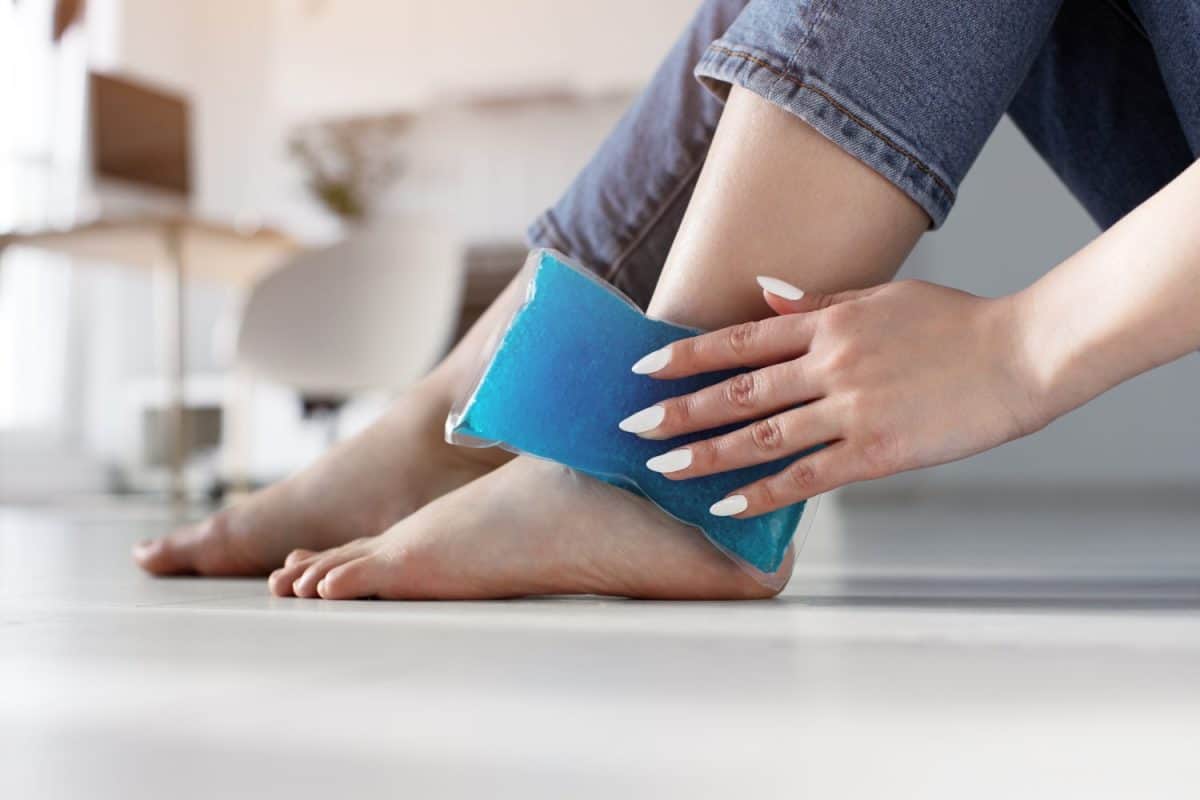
(1057, 352)
(1029, 376)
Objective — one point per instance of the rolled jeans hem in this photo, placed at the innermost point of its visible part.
(835, 117)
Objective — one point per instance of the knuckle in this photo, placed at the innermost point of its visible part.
(841, 318)
(881, 452)
(684, 352)
(680, 411)
(801, 477)
(832, 362)
(705, 455)
(742, 390)
(767, 435)
(857, 407)
(768, 495)
(741, 338)
(841, 358)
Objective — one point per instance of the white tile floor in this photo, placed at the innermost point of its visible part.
(921, 652)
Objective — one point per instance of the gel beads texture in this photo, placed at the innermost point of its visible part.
(560, 381)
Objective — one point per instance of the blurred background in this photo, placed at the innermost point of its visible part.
(234, 229)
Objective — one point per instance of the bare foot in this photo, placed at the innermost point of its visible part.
(528, 528)
(357, 489)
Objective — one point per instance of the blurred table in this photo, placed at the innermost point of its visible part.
(185, 245)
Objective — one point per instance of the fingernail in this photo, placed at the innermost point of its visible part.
(780, 288)
(321, 587)
(734, 504)
(645, 420)
(673, 461)
(653, 362)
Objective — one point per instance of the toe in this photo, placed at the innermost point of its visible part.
(299, 555)
(282, 579)
(174, 554)
(206, 548)
(148, 554)
(306, 584)
(353, 580)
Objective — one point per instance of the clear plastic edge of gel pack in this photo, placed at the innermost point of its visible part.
(457, 433)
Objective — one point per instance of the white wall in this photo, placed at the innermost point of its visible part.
(255, 68)
(214, 52)
(489, 173)
(219, 53)
(351, 56)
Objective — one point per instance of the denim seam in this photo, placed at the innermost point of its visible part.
(817, 19)
(800, 84)
(668, 202)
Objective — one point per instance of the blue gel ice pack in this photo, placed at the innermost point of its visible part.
(559, 382)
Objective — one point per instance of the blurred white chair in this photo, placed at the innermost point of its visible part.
(374, 311)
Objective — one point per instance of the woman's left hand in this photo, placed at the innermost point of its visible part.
(892, 378)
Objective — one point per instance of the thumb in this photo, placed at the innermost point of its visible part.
(784, 298)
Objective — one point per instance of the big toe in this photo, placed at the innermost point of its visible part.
(201, 549)
(362, 577)
(174, 554)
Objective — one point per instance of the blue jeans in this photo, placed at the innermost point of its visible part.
(1107, 92)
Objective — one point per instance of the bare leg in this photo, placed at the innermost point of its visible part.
(359, 488)
(777, 198)
(774, 198)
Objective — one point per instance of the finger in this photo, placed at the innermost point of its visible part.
(803, 479)
(758, 443)
(783, 298)
(751, 395)
(750, 344)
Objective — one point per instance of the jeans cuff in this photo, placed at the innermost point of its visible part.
(831, 114)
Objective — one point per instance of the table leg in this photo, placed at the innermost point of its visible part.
(176, 409)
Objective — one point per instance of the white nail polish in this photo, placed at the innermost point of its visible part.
(673, 461)
(780, 288)
(649, 364)
(734, 504)
(645, 420)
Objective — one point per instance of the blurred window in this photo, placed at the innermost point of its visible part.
(41, 114)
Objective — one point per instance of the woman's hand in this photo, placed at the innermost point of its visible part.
(892, 378)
